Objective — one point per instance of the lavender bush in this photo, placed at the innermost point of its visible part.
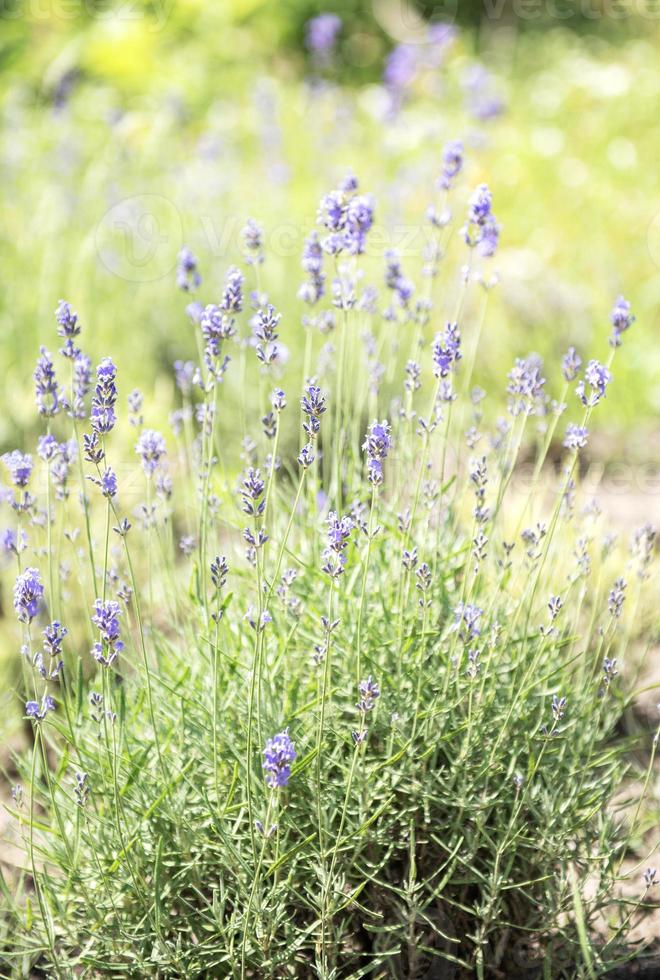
(346, 706)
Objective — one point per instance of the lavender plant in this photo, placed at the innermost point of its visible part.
(345, 705)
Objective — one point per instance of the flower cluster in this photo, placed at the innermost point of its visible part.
(334, 555)
(592, 387)
(265, 331)
(321, 34)
(482, 231)
(525, 385)
(347, 217)
(452, 163)
(151, 449)
(622, 319)
(187, 273)
(279, 755)
(446, 350)
(28, 593)
(68, 328)
(377, 444)
(252, 236)
(103, 416)
(106, 618)
(49, 398)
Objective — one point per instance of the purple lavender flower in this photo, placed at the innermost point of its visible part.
(489, 238)
(378, 440)
(47, 447)
(592, 388)
(20, 467)
(38, 712)
(252, 490)
(54, 635)
(216, 326)
(570, 365)
(187, 275)
(47, 391)
(92, 448)
(82, 788)
(184, 373)
(219, 571)
(650, 877)
(467, 618)
(558, 707)
(103, 417)
(108, 483)
(279, 754)
(482, 230)
(452, 163)
(401, 67)
(525, 386)
(28, 592)
(617, 597)
(334, 556)
(150, 447)
(306, 456)
(265, 330)
(232, 296)
(68, 327)
(395, 279)
(313, 405)
(312, 290)
(82, 382)
(13, 542)
(621, 319)
(135, 403)
(321, 34)
(106, 618)
(252, 236)
(481, 99)
(576, 436)
(446, 351)
(278, 400)
(377, 444)
(347, 216)
(480, 205)
(369, 694)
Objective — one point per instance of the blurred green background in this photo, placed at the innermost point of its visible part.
(130, 128)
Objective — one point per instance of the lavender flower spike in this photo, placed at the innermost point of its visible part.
(377, 444)
(150, 447)
(279, 754)
(38, 712)
(28, 592)
(622, 319)
(592, 388)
